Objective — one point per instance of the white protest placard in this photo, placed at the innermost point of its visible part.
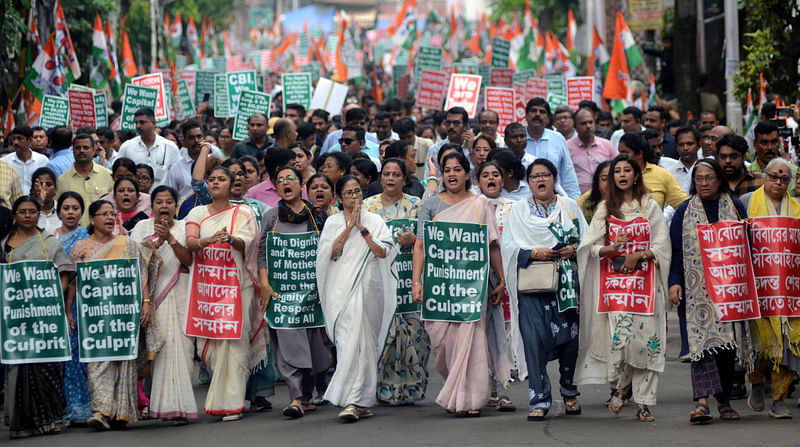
(501, 100)
(578, 89)
(463, 92)
(156, 81)
(250, 102)
(55, 111)
(329, 96)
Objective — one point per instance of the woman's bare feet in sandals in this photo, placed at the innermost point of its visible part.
(571, 406)
(643, 413)
(617, 401)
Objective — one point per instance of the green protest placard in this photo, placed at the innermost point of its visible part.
(220, 63)
(185, 100)
(522, 76)
(500, 51)
(109, 297)
(428, 58)
(221, 106)
(296, 89)
(237, 82)
(204, 84)
(101, 108)
(485, 71)
(556, 85)
(33, 327)
(403, 262)
(250, 102)
(134, 98)
(456, 271)
(556, 100)
(293, 276)
(55, 111)
(313, 67)
(466, 66)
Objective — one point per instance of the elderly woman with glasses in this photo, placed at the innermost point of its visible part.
(358, 295)
(776, 339)
(712, 346)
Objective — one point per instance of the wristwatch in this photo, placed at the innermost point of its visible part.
(230, 238)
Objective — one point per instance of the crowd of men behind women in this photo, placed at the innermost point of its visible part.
(548, 205)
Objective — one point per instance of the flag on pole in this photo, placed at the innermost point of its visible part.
(631, 49)
(762, 92)
(64, 47)
(341, 67)
(750, 118)
(567, 66)
(530, 52)
(46, 76)
(618, 78)
(406, 13)
(194, 42)
(572, 30)
(651, 94)
(8, 120)
(115, 80)
(128, 64)
(176, 32)
(227, 41)
(100, 65)
(598, 59)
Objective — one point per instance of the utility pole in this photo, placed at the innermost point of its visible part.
(153, 35)
(684, 50)
(733, 110)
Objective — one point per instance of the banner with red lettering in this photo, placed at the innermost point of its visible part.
(632, 292)
(463, 92)
(431, 89)
(501, 77)
(501, 100)
(728, 270)
(519, 103)
(81, 107)
(536, 88)
(776, 258)
(215, 295)
(156, 80)
(578, 89)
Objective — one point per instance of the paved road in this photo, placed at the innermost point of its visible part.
(428, 425)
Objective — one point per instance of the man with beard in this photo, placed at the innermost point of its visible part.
(488, 121)
(688, 139)
(549, 144)
(656, 119)
(588, 150)
(768, 145)
(457, 124)
(149, 147)
(85, 177)
(180, 175)
(39, 141)
(731, 150)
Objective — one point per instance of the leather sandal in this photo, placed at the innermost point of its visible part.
(700, 415)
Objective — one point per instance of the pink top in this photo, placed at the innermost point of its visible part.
(586, 159)
(267, 193)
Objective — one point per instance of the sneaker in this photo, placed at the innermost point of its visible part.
(738, 391)
(349, 414)
(231, 417)
(756, 399)
(779, 410)
(260, 404)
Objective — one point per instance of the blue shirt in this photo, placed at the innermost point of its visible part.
(370, 148)
(62, 161)
(553, 147)
(333, 138)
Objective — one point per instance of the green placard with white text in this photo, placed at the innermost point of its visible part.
(296, 89)
(250, 102)
(403, 262)
(135, 98)
(237, 82)
(55, 111)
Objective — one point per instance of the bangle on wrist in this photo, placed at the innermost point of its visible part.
(147, 300)
(364, 232)
(535, 251)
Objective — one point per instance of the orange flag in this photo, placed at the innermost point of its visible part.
(341, 68)
(618, 78)
(128, 65)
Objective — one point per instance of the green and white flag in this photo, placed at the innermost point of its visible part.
(33, 326)
(100, 64)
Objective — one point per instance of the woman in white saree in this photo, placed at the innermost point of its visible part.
(358, 294)
(171, 395)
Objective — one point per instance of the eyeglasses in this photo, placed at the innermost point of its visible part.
(288, 178)
(448, 123)
(562, 118)
(143, 178)
(733, 156)
(106, 214)
(785, 179)
(488, 123)
(540, 176)
(346, 141)
(27, 212)
(352, 193)
(704, 179)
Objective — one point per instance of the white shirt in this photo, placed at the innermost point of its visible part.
(615, 137)
(683, 175)
(161, 156)
(26, 169)
(180, 174)
(49, 222)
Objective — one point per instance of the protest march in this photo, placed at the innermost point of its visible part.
(343, 203)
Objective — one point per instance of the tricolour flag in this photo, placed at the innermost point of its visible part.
(618, 78)
(631, 49)
(128, 64)
(176, 32)
(64, 47)
(115, 79)
(194, 41)
(100, 64)
(750, 118)
(8, 120)
(572, 30)
(46, 76)
(531, 51)
(762, 92)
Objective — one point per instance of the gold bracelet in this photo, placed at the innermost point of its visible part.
(415, 283)
(147, 300)
(535, 250)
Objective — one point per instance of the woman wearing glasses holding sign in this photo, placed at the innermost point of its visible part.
(461, 348)
(712, 346)
(623, 263)
(358, 294)
(300, 350)
(402, 371)
(543, 232)
(34, 402)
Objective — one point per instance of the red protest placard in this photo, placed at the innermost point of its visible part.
(81, 108)
(728, 270)
(578, 89)
(536, 88)
(776, 257)
(501, 100)
(628, 292)
(431, 89)
(501, 77)
(155, 80)
(463, 92)
(215, 295)
(521, 100)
